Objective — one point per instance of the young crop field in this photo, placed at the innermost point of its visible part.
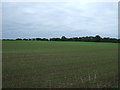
(59, 64)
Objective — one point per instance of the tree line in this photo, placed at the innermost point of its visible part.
(96, 38)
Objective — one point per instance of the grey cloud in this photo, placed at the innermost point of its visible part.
(56, 19)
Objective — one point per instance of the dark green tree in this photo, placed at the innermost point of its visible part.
(97, 38)
(18, 39)
(63, 38)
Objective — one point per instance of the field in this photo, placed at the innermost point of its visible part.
(50, 64)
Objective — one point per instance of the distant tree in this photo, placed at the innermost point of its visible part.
(44, 39)
(25, 39)
(63, 38)
(38, 39)
(83, 39)
(52, 39)
(75, 39)
(18, 39)
(97, 38)
(118, 40)
(69, 39)
(91, 39)
(114, 40)
(33, 39)
(106, 39)
(80, 39)
(55, 39)
(87, 39)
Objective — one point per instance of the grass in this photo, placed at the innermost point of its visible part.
(49, 64)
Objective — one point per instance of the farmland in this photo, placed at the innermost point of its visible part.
(59, 64)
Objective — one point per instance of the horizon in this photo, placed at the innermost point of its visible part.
(56, 37)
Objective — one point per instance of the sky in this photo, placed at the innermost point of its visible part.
(56, 19)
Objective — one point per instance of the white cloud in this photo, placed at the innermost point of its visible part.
(29, 10)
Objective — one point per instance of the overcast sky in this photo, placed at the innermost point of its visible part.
(55, 19)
